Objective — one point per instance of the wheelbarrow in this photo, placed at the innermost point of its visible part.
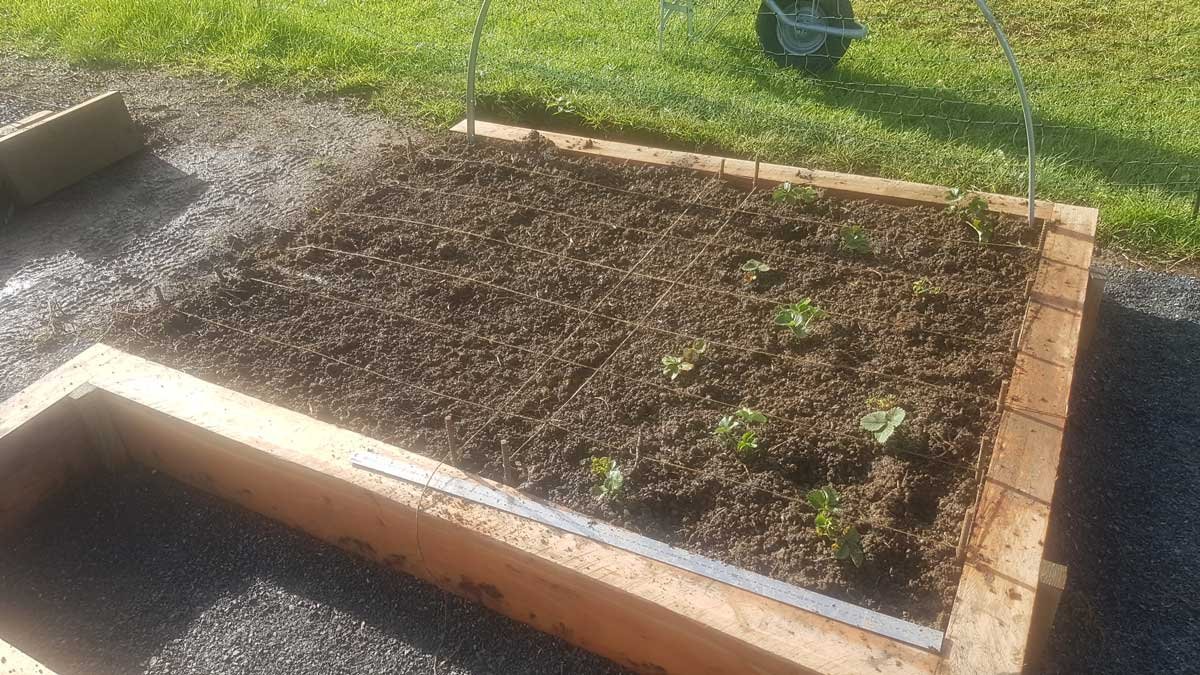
(810, 35)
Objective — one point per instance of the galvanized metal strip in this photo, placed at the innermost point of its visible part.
(480, 492)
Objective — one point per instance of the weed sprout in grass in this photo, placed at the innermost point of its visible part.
(787, 193)
(974, 213)
(799, 317)
(844, 539)
(924, 286)
(752, 268)
(610, 481)
(854, 239)
(883, 423)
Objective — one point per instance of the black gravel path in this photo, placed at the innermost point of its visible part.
(140, 574)
(1127, 509)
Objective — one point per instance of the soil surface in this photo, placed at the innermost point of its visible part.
(136, 573)
(507, 285)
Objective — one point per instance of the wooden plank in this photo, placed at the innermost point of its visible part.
(847, 185)
(638, 612)
(13, 661)
(51, 450)
(56, 151)
(1091, 310)
(993, 610)
(1052, 581)
(106, 442)
(489, 493)
(24, 122)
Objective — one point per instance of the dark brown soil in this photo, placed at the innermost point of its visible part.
(413, 349)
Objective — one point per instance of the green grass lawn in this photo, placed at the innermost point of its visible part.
(1116, 85)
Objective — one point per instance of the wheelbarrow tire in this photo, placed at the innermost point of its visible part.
(821, 58)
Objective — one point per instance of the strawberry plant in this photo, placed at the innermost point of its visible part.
(610, 481)
(844, 539)
(788, 193)
(924, 286)
(732, 429)
(974, 213)
(799, 317)
(752, 268)
(674, 366)
(854, 239)
(883, 423)
(747, 445)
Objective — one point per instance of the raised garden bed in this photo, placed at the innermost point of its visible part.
(446, 281)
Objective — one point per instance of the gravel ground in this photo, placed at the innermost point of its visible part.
(136, 573)
(1127, 509)
(221, 161)
(220, 164)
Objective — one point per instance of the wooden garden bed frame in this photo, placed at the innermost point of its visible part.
(106, 408)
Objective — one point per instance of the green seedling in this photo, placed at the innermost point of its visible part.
(883, 423)
(752, 268)
(742, 420)
(854, 238)
(924, 286)
(799, 317)
(747, 444)
(611, 482)
(974, 213)
(674, 366)
(788, 193)
(844, 539)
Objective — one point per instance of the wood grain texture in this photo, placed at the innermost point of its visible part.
(847, 185)
(990, 622)
(41, 158)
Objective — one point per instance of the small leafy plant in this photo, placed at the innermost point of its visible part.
(732, 429)
(974, 213)
(610, 481)
(883, 423)
(844, 539)
(752, 268)
(799, 317)
(747, 444)
(788, 193)
(674, 366)
(924, 286)
(854, 238)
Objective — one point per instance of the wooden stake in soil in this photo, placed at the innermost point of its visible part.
(452, 441)
(505, 461)
(158, 295)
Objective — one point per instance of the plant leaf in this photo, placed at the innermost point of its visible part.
(874, 421)
(818, 499)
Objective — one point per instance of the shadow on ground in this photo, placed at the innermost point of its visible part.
(134, 573)
(1127, 509)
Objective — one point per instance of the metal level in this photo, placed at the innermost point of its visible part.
(482, 492)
